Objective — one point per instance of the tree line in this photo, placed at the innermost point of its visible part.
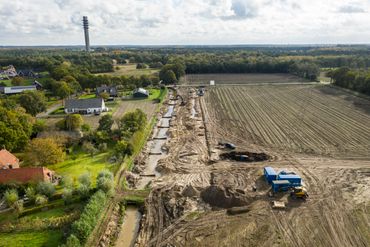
(357, 80)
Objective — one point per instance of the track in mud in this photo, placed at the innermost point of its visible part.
(188, 205)
(298, 119)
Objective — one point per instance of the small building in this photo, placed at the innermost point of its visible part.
(27, 73)
(269, 174)
(8, 71)
(111, 90)
(8, 160)
(18, 89)
(85, 106)
(27, 175)
(38, 85)
(140, 93)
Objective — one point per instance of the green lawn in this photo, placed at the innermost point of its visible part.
(77, 164)
(48, 238)
(130, 70)
(87, 96)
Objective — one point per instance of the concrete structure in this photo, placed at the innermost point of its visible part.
(8, 160)
(140, 93)
(26, 175)
(85, 23)
(85, 106)
(17, 89)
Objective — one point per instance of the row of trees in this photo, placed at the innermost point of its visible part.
(357, 80)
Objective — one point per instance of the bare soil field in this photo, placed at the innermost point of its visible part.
(250, 78)
(310, 119)
(148, 107)
(318, 132)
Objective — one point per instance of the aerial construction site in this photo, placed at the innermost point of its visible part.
(215, 147)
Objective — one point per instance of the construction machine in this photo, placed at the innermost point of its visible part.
(299, 192)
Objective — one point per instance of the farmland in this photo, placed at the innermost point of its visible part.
(130, 70)
(308, 119)
(203, 79)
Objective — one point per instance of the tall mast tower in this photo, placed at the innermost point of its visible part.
(85, 24)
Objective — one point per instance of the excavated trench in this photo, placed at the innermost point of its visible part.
(245, 156)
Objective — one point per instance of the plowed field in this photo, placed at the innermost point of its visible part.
(310, 119)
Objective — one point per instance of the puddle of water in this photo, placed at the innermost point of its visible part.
(130, 227)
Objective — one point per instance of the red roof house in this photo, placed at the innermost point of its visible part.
(8, 160)
(26, 175)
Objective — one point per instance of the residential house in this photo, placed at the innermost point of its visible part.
(111, 90)
(8, 71)
(17, 89)
(140, 93)
(8, 160)
(38, 85)
(27, 175)
(27, 73)
(85, 106)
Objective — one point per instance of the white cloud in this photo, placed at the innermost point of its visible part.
(58, 22)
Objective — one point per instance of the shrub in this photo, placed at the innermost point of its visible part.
(85, 127)
(83, 191)
(72, 241)
(105, 181)
(67, 195)
(66, 181)
(46, 188)
(88, 147)
(89, 217)
(11, 197)
(85, 179)
(41, 200)
(18, 206)
(31, 194)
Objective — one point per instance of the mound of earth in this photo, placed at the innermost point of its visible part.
(221, 197)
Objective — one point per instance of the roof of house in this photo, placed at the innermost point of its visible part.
(84, 103)
(7, 158)
(25, 175)
(21, 87)
(105, 88)
(36, 83)
(141, 91)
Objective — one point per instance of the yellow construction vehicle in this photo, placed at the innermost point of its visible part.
(299, 192)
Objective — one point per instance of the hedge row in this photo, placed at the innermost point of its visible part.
(82, 228)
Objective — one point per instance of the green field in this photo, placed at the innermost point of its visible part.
(130, 70)
(48, 238)
(80, 163)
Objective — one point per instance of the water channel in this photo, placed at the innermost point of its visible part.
(130, 226)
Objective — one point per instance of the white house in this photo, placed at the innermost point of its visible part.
(85, 106)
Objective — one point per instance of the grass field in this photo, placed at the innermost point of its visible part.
(77, 164)
(130, 70)
(313, 119)
(204, 79)
(48, 238)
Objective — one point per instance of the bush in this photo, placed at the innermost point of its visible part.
(66, 181)
(85, 127)
(41, 200)
(46, 188)
(67, 195)
(72, 241)
(105, 181)
(85, 179)
(18, 206)
(31, 194)
(141, 66)
(89, 217)
(11, 197)
(83, 191)
(88, 147)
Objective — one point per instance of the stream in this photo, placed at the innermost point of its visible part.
(130, 227)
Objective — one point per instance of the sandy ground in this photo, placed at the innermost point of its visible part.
(188, 204)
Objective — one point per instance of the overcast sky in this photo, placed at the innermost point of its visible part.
(154, 22)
